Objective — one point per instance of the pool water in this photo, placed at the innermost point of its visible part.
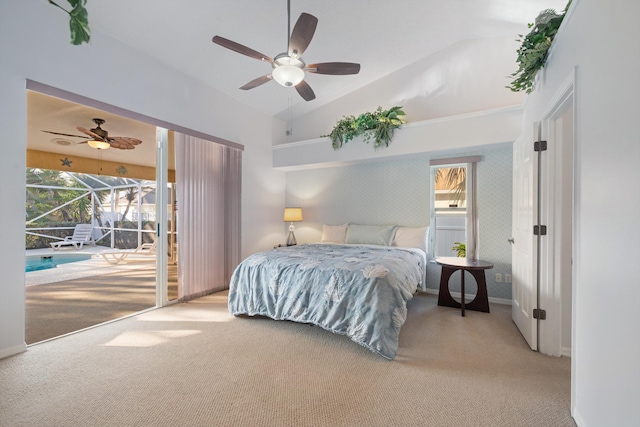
(52, 261)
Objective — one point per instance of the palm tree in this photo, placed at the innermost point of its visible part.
(42, 200)
(453, 179)
(131, 196)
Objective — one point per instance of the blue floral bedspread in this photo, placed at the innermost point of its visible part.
(356, 290)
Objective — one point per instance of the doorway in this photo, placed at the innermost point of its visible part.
(557, 193)
(542, 243)
(120, 197)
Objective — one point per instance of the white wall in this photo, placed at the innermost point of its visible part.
(34, 45)
(602, 39)
(451, 82)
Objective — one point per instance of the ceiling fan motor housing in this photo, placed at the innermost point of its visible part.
(98, 130)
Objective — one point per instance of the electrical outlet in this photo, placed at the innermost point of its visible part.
(507, 278)
(498, 277)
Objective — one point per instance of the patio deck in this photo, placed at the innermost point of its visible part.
(77, 270)
(82, 294)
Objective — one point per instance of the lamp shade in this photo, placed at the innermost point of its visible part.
(292, 214)
(287, 71)
(100, 145)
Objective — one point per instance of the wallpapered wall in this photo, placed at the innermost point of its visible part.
(397, 192)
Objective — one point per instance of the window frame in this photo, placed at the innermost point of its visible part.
(471, 203)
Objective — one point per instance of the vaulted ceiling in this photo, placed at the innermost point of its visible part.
(382, 36)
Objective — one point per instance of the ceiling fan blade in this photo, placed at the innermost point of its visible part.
(64, 134)
(237, 47)
(302, 34)
(91, 134)
(305, 91)
(256, 82)
(335, 68)
(121, 144)
(126, 140)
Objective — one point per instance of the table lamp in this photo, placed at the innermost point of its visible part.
(292, 215)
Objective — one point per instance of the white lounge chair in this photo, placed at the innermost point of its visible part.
(115, 256)
(81, 236)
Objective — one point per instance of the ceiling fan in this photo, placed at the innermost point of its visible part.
(288, 67)
(100, 138)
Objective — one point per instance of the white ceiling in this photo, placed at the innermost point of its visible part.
(383, 36)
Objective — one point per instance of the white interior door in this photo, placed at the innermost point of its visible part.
(524, 288)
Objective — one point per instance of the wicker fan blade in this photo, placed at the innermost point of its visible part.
(121, 145)
(335, 68)
(256, 82)
(305, 91)
(126, 140)
(237, 47)
(91, 134)
(302, 34)
(64, 134)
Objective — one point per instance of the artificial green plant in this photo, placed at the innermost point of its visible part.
(532, 54)
(379, 126)
(78, 22)
(460, 249)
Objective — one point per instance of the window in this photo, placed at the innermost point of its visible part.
(453, 207)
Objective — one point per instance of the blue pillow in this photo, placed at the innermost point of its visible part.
(370, 234)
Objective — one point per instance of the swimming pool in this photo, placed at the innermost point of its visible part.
(43, 262)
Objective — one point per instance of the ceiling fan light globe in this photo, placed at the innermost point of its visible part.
(100, 145)
(288, 71)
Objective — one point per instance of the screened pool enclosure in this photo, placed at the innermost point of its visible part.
(121, 210)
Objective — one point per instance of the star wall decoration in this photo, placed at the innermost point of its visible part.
(122, 170)
(66, 162)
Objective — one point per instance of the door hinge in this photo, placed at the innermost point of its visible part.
(539, 230)
(540, 146)
(539, 314)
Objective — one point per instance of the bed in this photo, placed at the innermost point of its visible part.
(357, 285)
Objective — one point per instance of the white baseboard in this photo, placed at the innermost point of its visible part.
(577, 418)
(11, 351)
(565, 351)
(469, 297)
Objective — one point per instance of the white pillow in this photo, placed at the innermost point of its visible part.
(334, 233)
(411, 237)
(370, 234)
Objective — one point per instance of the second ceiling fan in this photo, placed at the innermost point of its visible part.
(288, 68)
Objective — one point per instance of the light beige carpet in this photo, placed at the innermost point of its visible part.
(194, 365)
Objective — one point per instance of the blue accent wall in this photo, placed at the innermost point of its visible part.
(397, 192)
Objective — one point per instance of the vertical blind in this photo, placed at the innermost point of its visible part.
(208, 188)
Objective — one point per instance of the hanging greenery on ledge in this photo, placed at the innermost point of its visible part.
(379, 126)
(78, 21)
(532, 54)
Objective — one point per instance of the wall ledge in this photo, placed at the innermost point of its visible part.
(446, 135)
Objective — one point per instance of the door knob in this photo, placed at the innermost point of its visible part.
(511, 240)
